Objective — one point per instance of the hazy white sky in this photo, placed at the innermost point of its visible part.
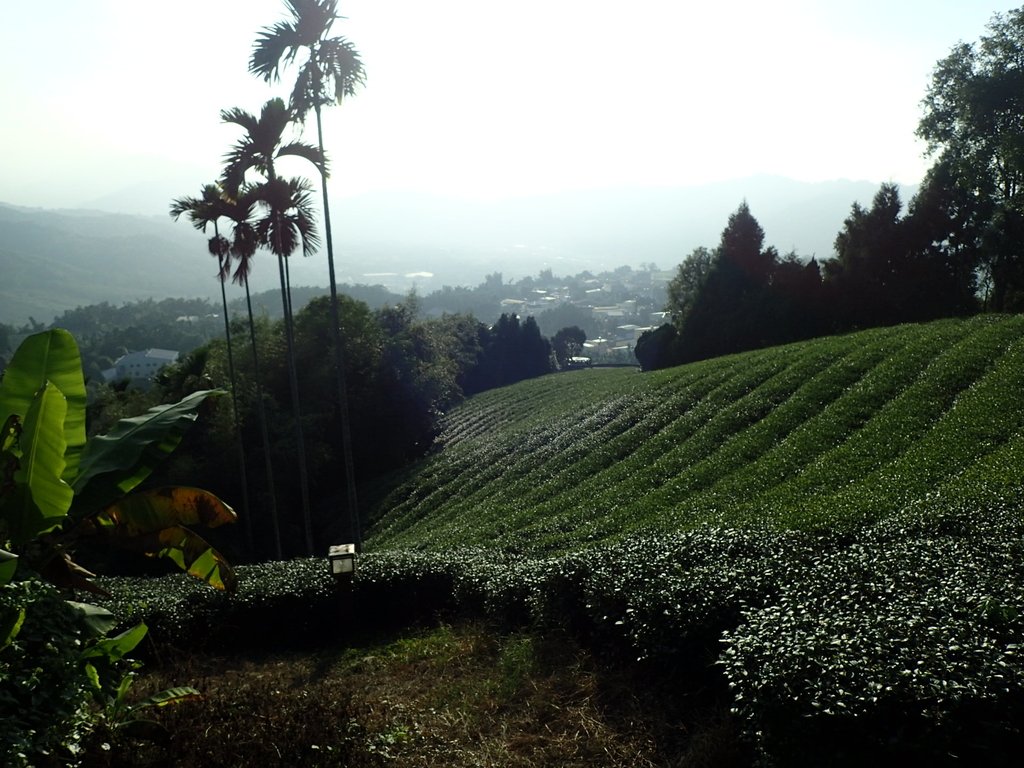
(482, 98)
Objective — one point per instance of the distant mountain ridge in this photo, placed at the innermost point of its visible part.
(54, 260)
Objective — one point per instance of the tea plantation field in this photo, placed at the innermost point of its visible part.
(829, 434)
(834, 526)
(829, 534)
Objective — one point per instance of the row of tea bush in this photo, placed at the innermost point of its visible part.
(900, 637)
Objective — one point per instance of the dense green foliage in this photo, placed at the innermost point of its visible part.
(60, 678)
(887, 269)
(403, 373)
(973, 129)
(898, 640)
(45, 694)
(105, 332)
(955, 250)
(906, 642)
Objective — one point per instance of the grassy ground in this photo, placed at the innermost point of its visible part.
(451, 696)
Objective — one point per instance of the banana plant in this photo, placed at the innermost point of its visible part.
(104, 661)
(59, 490)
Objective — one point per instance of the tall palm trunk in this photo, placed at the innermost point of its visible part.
(339, 356)
(234, 405)
(264, 433)
(293, 380)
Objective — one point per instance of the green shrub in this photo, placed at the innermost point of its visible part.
(45, 694)
(904, 642)
(895, 638)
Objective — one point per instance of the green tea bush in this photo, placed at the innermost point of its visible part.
(832, 528)
(674, 594)
(894, 639)
(277, 604)
(835, 431)
(45, 695)
(904, 642)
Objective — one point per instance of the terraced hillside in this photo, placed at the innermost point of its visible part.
(826, 434)
(829, 533)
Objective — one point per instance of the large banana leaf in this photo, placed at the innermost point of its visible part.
(150, 511)
(169, 696)
(197, 558)
(40, 499)
(154, 522)
(49, 356)
(99, 620)
(114, 463)
(9, 462)
(9, 434)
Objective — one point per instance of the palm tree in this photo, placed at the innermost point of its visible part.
(260, 147)
(332, 70)
(289, 223)
(244, 243)
(203, 211)
(284, 222)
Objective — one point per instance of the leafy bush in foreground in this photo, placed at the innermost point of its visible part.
(44, 690)
(904, 642)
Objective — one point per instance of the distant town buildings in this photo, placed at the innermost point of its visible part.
(140, 366)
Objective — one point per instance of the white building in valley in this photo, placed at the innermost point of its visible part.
(140, 366)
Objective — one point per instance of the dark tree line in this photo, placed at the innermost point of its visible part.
(958, 248)
(888, 268)
(509, 351)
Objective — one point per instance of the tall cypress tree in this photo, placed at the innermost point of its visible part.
(730, 312)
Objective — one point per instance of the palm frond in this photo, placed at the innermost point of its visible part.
(339, 60)
(276, 234)
(304, 214)
(244, 244)
(211, 193)
(182, 205)
(238, 116)
(237, 163)
(308, 91)
(242, 208)
(274, 118)
(220, 248)
(290, 219)
(333, 71)
(201, 211)
(310, 236)
(257, 148)
(276, 46)
(313, 18)
(306, 152)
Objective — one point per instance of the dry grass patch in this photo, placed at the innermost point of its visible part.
(451, 697)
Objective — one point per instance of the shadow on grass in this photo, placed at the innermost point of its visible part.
(451, 695)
